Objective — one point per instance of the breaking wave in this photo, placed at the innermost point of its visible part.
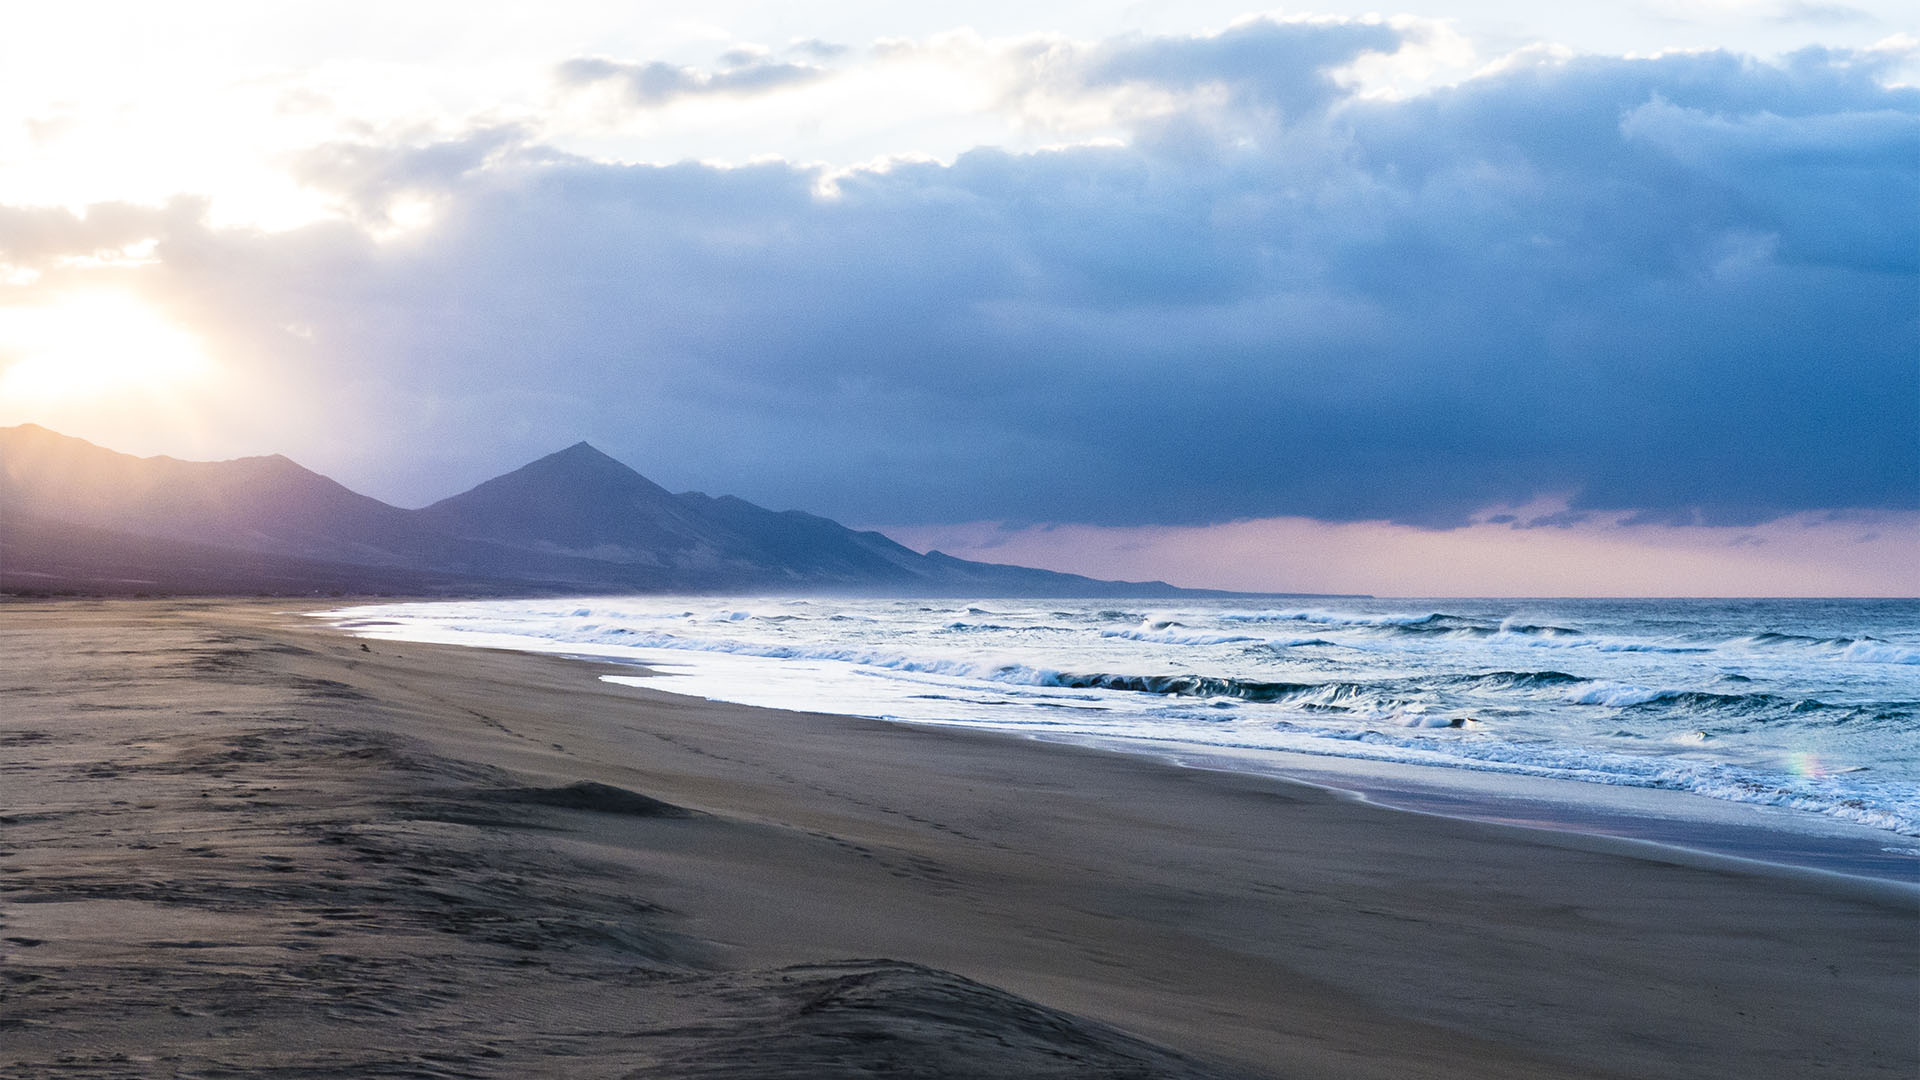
(1810, 706)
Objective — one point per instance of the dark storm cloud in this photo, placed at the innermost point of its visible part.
(653, 83)
(1683, 287)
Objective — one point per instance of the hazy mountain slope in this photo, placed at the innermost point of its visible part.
(581, 502)
(573, 521)
(803, 545)
(254, 504)
(263, 505)
(41, 557)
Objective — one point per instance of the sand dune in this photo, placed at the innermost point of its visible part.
(234, 843)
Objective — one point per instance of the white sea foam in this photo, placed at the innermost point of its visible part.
(1810, 707)
(1329, 618)
(1173, 637)
(1616, 695)
(1878, 652)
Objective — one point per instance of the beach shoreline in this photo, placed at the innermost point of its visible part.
(1671, 824)
(1691, 725)
(1234, 924)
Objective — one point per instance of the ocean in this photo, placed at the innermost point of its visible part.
(1810, 708)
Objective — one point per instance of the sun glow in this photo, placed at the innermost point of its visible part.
(93, 346)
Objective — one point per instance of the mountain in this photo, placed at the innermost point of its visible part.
(582, 503)
(264, 506)
(77, 517)
(43, 557)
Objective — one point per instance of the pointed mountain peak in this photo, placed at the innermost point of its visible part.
(579, 453)
(579, 484)
(582, 461)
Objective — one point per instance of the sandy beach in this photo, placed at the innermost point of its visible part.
(234, 841)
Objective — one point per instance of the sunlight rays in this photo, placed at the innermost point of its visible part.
(92, 347)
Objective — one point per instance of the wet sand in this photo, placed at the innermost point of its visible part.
(234, 842)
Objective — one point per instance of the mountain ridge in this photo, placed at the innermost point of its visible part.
(576, 520)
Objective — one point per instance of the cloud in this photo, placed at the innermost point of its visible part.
(36, 236)
(816, 49)
(1822, 14)
(373, 175)
(1258, 73)
(1681, 288)
(654, 83)
(1288, 66)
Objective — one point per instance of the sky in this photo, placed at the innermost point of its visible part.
(1449, 298)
